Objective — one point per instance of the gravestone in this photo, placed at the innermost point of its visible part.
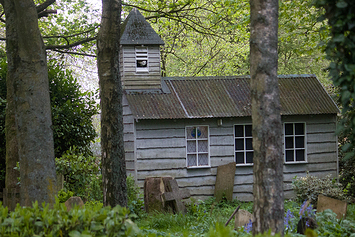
(175, 195)
(225, 182)
(73, 201)
(337, 206)
(154, 187)
(242, 218)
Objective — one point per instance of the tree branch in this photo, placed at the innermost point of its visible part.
(68, 46)
(3, 13)
(40, 8)
(69, 36)
(45, 13)
(75, 53)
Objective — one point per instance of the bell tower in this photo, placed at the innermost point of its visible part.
(139, 54)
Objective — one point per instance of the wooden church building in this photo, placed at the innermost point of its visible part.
(185, 127)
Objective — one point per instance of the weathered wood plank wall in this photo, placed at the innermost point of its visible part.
(160, 150)
(146, 80)
(129, 138)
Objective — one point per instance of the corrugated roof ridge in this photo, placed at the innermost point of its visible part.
(178, 97)
(296, 75)
(286, 76)
(178, 78)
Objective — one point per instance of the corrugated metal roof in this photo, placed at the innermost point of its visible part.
(206, 97)
(135, 30)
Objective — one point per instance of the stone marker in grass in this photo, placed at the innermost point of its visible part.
(337, 206)
(174, 194)
(225, 182)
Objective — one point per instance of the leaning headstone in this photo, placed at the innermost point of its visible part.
(337, 206)
(154, 187)
(73, 201)
(174, 194)
(225, 182)
(242, 218)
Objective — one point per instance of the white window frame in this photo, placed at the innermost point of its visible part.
(196, 152)
(245, 148)
(294, 148)
(141, 53)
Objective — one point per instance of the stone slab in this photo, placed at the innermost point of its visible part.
(225, 182)
(154, 187)
(73, 201)
(337, 206)
(174, 194)
(242, 217)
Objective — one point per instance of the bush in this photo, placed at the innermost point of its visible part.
(82, 175)
(347, 173)
(63, 196)
(329, 225)
(134, 197)
(309, 187)
(57, 221)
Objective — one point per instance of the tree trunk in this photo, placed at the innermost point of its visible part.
(27, 81)
(267, 128)
(113, 156)
(12, 156)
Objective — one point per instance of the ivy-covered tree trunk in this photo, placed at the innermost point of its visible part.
(113, 156)
(27, 81)
(12, 156)
(267, 128)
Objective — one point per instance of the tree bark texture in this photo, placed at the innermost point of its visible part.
(113, 156)
(28, 92)
(12, 156)
(266, 119)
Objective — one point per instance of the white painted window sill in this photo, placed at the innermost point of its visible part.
(244, 165)
(295, 163)
(198, 167)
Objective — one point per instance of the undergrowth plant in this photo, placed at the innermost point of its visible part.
(309, 187)
(57, 221)
(134, 197)
(82, 174)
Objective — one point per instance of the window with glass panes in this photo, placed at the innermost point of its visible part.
(295, 142)
(197, 146)
(243, 144)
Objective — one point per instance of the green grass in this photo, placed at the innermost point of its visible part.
(203, 216)
(350, 213)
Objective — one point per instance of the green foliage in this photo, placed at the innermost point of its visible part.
(309, 187)
(340, 50)
(329, 225)
(63, 196)
(72, 112)
(75, 21)
(134, 197)
(57, 221)
(82, 174)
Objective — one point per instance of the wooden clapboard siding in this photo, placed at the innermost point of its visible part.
(129, 138)
(131, 79)
(160, 150)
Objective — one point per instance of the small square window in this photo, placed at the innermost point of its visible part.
(295, 142)
(243, 147)
(197, 146)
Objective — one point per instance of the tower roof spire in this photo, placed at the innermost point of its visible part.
(135, 30)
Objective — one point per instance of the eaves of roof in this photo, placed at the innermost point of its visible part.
(208, 97)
